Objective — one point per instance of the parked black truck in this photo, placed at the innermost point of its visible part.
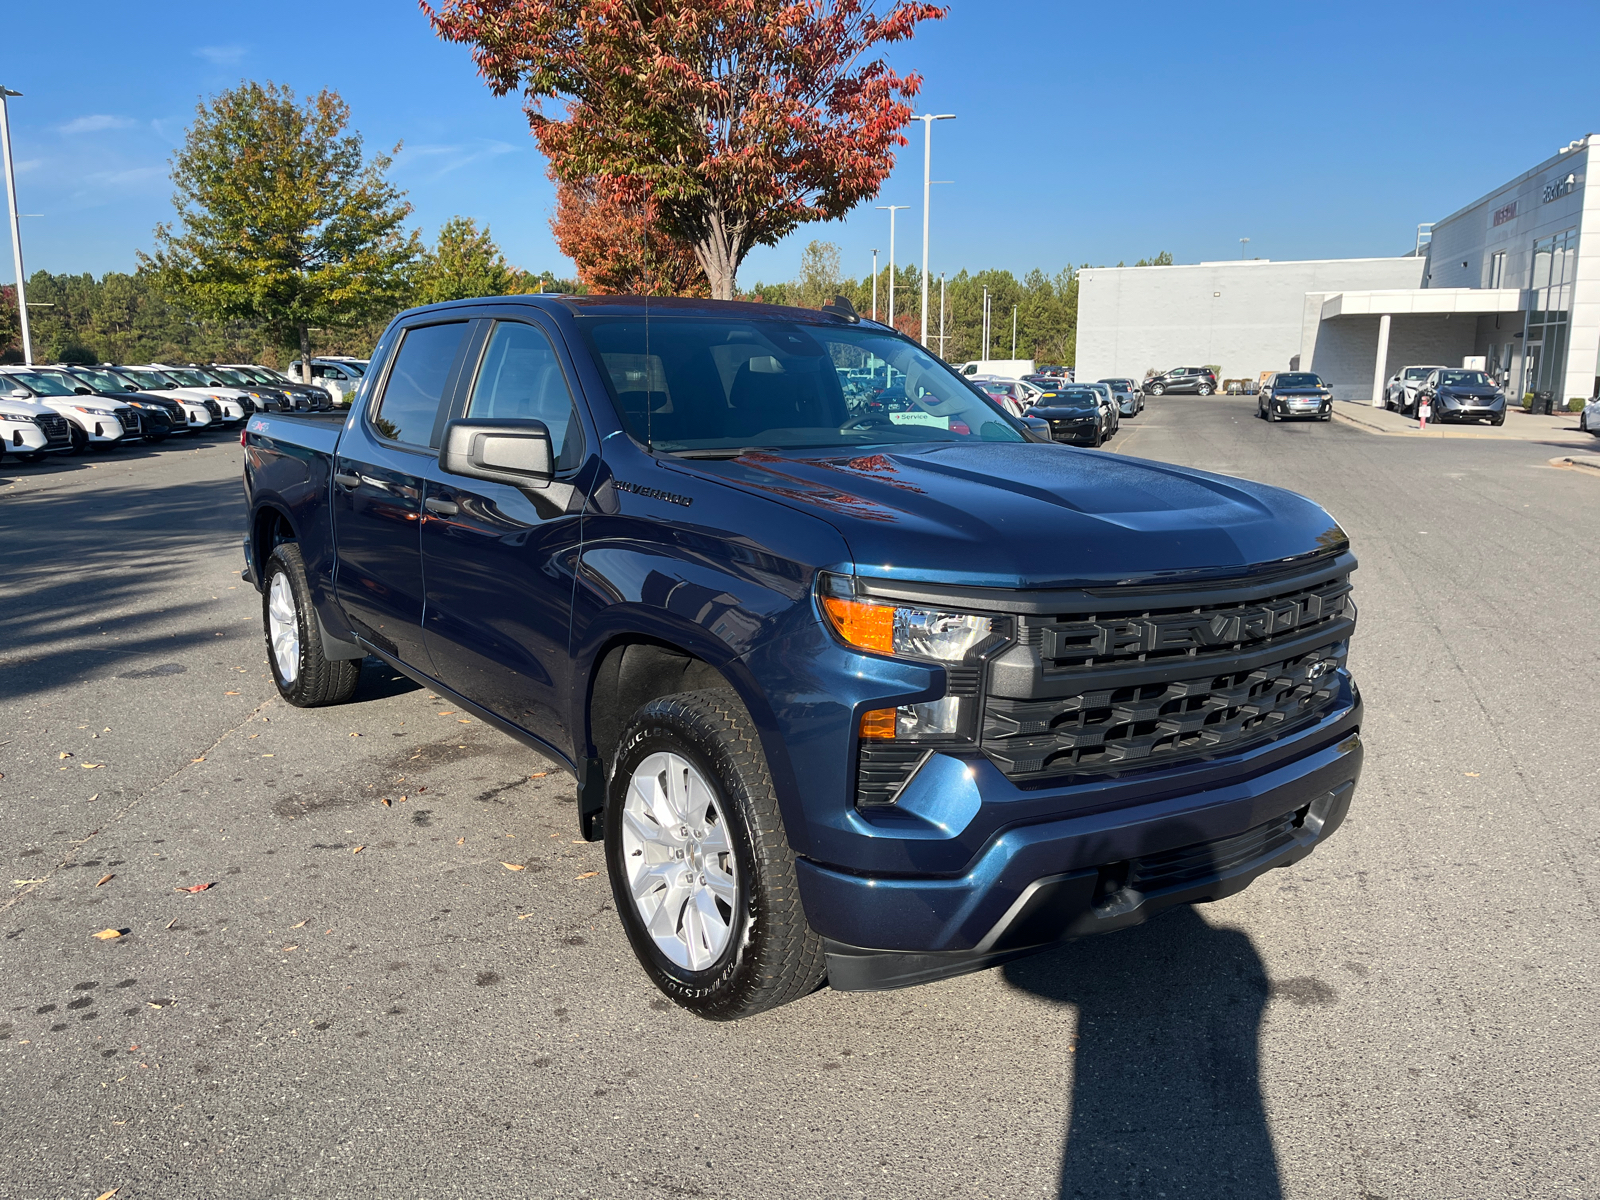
(874, 696)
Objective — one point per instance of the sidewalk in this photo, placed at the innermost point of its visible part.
(1561, 429)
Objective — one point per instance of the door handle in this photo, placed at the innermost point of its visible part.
(349, 481)
(442, 508)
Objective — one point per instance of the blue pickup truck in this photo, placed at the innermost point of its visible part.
(859, 692)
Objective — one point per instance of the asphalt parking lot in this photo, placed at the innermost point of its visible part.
(405, 977)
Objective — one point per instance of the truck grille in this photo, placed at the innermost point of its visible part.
(1171, 721)
(1203, 860)
(56, 431)
(132, 426)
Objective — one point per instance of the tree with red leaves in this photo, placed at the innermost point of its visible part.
(619, 246)
(740, 119)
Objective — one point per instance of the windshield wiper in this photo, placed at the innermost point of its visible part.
(721, 451)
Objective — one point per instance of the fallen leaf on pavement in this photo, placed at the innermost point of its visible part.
(199, 887)
(588, 875)
(386, 802)
(92, 798)
(1471, 774)
(65, 754)
(25, 882)
(402, 799)
(446, 713)
(355, 735)
(153, 1004)
(301, 924)
(172, 922)
(107, 935)
(90, 766)
(524, 916)
(538, 775)
(230, 693)
(286, 949)
(108, 1195)
(463, 720)
(359, 849)
(105, 879)
(202, 758)
(461, 841)
(513, 866)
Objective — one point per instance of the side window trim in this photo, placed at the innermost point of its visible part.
(469, 378)
(374, 407)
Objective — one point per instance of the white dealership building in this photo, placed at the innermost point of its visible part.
(1501, 279)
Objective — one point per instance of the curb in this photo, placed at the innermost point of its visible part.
(1584, 462)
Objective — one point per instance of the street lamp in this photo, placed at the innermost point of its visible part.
(892, 209)
(16, 228)
(874, 285)
(1243, 242)
(927, 120)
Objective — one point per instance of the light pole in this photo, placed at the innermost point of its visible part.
(927, 120)
(16, 228)
(874, 285)
(1013, 333)
(985, 324)
(892, 209)
(1243, 242)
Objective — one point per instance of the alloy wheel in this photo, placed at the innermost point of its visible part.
(284, 628)
(681, 871)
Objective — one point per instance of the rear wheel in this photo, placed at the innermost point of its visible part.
(1203, 390)
(700, 866)
(305, 678)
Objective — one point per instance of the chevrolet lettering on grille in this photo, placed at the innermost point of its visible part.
(1127, 637)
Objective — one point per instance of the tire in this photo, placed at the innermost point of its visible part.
(1099, 439)
(1157, 390)
(31, 458)
(739, 945)
(1203, 390)
(1274, 415)
(155, 439)
(80, 439)
(294, 643)
(1327, 416)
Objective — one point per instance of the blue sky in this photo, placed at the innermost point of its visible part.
(1086, 133)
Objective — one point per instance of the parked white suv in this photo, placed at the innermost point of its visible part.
(200, 410)
(95, 421)
(341, 376)
(30, 430)
(234, 404)
(1400, 393)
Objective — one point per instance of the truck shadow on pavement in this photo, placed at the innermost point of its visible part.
(1166, 1098)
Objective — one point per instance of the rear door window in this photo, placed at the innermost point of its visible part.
(521, 380)
(409, 408)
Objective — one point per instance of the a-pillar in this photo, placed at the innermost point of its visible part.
(1382, 367)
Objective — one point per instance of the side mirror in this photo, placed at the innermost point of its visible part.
(82, 391)
(21, 394)
(511, 452)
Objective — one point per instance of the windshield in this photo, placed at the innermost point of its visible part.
(188, 378)
(1301, 380)
(44, 383)
(101, 381)
(150, 380)
(236, 378)
(1417, 373)
(1072, 398)
(1463, 379)
(694, 383)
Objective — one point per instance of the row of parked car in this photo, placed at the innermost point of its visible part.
(1450, 394)
(1084, 414)
(68, 408)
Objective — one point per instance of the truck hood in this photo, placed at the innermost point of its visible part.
(1030, 515)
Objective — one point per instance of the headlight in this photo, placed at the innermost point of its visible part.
(911, 632)
(19, 418)
(95, 412)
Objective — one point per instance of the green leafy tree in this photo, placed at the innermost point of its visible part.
(820, 273)
(1164, 259)
(464, 264)
(282, 219)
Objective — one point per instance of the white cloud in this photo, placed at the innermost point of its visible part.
(220, 56)
(452, 157)
(97, 122)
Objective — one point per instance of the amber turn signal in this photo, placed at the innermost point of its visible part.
(869, 626)
(878, 724)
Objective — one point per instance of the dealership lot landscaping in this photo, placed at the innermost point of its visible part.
(250, 950)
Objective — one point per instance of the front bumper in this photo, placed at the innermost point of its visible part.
(1298, 406)
(1486, 413)
(1093, 872)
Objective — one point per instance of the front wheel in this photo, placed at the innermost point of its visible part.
(305, 678)
(700, 866)
(1157, 390)
(1274, 415)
